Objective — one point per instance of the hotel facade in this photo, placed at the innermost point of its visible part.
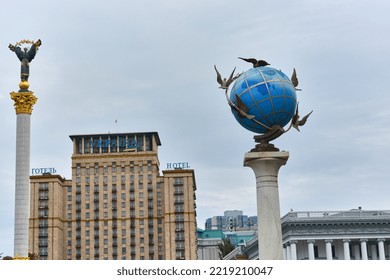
(117, 205)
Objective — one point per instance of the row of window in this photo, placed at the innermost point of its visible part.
(115, 178)
(124, 204)
(141, 222)
(114, 169)
(114, 196)
(133, 242)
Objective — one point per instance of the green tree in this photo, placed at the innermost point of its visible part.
(225, 247)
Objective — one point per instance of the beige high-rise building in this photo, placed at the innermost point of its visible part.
(117, 206)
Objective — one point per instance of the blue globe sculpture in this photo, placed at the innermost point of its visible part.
(269, 96)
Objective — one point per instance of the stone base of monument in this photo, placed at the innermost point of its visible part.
(266, 165)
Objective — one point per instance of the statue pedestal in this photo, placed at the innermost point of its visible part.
(266, 165)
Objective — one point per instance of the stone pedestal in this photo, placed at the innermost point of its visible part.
(266, 165)
(24, 101)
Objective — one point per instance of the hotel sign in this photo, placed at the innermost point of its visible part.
(178, 165)
(123, 142)
(37, 171)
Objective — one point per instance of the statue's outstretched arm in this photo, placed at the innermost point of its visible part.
(11, 47)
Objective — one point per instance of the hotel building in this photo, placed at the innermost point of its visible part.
(116, 206)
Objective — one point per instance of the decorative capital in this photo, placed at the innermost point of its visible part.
(24, 101)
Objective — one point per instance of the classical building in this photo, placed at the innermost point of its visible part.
(117, 204)
(331, 235)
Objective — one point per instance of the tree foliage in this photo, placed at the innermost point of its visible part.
(225, 247)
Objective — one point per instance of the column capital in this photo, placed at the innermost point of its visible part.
(328, 240)
(346, 240)
(364, 240)
(381, 240)
(293, 242)
(24, 101)
(312, 241)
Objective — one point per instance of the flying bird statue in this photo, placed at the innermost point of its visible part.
(240, 108)
(225, 83)
(296, 122)
(294, 79)
(255, 62)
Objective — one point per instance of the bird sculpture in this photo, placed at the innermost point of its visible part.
(296, 122)
(225, 83)
(240, 108)
(255, 62)
(294, 79)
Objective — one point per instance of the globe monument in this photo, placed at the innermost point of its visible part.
(263, 100)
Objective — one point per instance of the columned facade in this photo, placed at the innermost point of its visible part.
(331, 235)
(334, 235)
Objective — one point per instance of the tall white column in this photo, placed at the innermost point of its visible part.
(363, 245)
(22, 185)
(266, 165)
(381, 248)
(310, 248)
(347, 253)
(328, 247)
(293, 245)
(24, 101)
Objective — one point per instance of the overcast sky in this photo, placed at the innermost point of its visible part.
(149, 65)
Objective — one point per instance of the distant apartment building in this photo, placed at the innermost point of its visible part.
(117, 204)
(232, 220)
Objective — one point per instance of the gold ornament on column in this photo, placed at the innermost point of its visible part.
(24, 101)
